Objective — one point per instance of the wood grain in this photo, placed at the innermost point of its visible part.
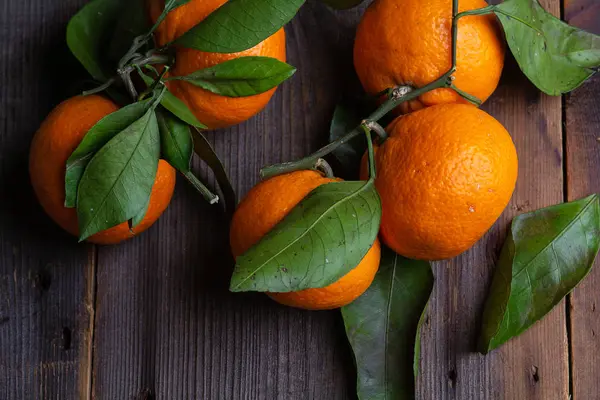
(582, 111)
(46, 278)
(166, 323)
(534, 365)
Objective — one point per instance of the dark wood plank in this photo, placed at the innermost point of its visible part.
(583, 178)
(534, 365)
(166, 323)
(46, 278)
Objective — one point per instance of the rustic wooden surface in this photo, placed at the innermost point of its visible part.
(152, 318)
(534, 365)
(582, 128)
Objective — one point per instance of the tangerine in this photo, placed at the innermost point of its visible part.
(444, 175)
(265, 206)
(411, 44)
(58, 136)
(213, 110)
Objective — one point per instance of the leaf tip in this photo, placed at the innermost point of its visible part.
(234, 287)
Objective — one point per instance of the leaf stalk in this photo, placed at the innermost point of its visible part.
(200, 187)
(324, 167)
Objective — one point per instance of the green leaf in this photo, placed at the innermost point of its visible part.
(118, 180)
(547, 253)
(556, 57)
(94, 140)
(205, 151)
(244, 76)
(342, 4)
(177, 145)
(318, 242)
(176, 142)
(89, 31)
(383, 327)
(180, 110)
(239, 25)
(345, 118)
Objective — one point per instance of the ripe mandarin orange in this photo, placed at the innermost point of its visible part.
(264, 207)
(445, 174)
(58, 136)
(213, 110)
(410, 43)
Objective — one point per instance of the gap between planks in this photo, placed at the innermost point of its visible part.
(86, 376)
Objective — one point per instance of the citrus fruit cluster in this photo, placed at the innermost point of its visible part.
(66, 126)
(447, 170)
(438, 178)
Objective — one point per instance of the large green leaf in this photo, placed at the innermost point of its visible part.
(547, 253)
(318, 242)
(556, 57)
(89, 32)
(94, 140)
(244, 76)
(118, 180)
(239, 25)
(383, 328)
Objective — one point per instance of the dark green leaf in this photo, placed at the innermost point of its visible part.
(547, 253)
(207, 154)
(244, 76)
(180, 110)
(89, 31)
(132, 22)
(177, 148)
(176, 106)
(118, 180)
(94, 140)
(176, 142)
(342, 4)
(383, 327)
(239, 25)
(345, 118)
(556, 57)
(318, 242)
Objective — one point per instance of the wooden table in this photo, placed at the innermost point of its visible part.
(152, 318)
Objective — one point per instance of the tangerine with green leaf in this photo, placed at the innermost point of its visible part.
(410, 43)
(265, 206)
(58, 136)
(213, 110)
(445, 174)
